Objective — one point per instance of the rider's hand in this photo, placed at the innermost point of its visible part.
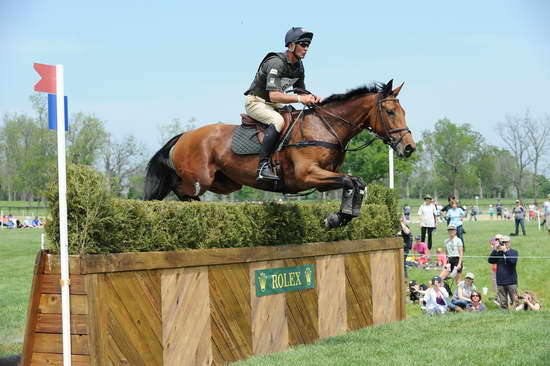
(308, 99)
(317, 99)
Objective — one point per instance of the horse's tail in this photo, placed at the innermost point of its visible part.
(160, 177)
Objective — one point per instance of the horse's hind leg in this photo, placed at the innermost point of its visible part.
(194, 183)
(223, 185)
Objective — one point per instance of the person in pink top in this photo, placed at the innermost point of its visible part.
(441, 258)
(421, 249)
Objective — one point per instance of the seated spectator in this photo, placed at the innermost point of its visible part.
(528, 302)
(436, 299)
(37, 222)
(475, 304)
(421, 249)
(464, 289)
(441, 258)
(27, 222)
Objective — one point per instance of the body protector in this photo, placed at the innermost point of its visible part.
(276, 73)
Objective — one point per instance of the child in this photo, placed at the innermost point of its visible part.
(422, 250)
(441, 258)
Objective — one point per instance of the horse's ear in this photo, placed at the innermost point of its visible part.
(386, 92)
(396, 91)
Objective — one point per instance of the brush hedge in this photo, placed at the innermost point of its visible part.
(99, 224)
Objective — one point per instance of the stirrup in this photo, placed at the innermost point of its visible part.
(265, 172)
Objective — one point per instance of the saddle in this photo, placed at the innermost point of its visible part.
(249, 122)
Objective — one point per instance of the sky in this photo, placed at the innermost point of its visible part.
(139, 64)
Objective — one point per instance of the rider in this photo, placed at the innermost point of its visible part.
(277, 73)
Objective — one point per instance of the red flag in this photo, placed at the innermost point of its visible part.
(47, 83)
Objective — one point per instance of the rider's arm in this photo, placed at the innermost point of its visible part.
(280, 97)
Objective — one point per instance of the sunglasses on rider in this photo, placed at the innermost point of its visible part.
(304, 44)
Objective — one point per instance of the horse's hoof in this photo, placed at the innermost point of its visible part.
(338, 219)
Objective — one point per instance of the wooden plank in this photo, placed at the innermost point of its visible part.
(51, 323)
(132, 304)
(49, 284)
(34, 300)
(358, 291)
(186, 332)
(97, 318)
(101, 263)
(51, 304)
(231, 312)
(269, 323)
(56, 359)
(53, 343)
(302, 310)
(385, 292)
(52, 264)
(401, 286)
(331, 282)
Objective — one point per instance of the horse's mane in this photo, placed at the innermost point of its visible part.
(358, 92)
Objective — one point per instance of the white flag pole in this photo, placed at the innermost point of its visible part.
(42, 240)
(63, 236)
(1, 220)
(391, 166)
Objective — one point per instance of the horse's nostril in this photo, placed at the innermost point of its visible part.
(409, 150)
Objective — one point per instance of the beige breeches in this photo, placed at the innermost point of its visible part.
(263, 111)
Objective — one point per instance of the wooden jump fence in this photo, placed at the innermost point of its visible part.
(212, 306)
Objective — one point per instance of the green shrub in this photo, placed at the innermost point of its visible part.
(98, 224)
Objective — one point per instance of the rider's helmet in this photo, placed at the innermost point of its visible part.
(296, 34)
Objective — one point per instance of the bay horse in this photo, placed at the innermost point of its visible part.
(202, 160)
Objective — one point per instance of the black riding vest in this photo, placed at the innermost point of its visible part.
(278, 74)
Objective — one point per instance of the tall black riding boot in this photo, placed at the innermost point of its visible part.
(265, 170)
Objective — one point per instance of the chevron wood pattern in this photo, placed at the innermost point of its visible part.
(358, 291)
(331, 287)
(384, 286)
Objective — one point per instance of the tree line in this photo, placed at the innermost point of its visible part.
(451, 158)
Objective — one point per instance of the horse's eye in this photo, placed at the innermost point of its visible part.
(390, 113)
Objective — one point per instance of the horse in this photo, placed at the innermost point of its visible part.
(309, 157)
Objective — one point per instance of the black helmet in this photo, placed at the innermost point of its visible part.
(296, 34)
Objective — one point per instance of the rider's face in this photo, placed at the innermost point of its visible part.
(301, 49)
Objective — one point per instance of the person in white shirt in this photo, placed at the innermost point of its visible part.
(437, 299)
(547, 213)
(428, 213)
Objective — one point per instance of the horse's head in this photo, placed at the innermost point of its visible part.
(388, 121)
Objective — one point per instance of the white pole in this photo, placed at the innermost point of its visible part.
(538, 217)
(63, 236)
(42, 241)
(391, 167)
(2, 220)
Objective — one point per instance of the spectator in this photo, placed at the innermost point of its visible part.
(428, 213)
(421, 249)
(506, 259)
(464, 289)
(37, 222)
(455, 215)
(498, 206)
(437, 298)
(547, 213)
(475, 304)
(407, 212)
(529, 302)
(494, 242)
(519, 218)
(407, 241)
(475, 212)
(491, 211)
(441, 258)
(532, 210)
(455, 255)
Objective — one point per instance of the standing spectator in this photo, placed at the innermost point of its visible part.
(494, 242)
(498, 206)
(474, 213)
(532, 209)
(519, 218)
(455, 215)
(491, 211)
(428, 213)
(455, 254)
(407, 212)
(506, 259)
(407, 241)
(547, 213)
(475, 302)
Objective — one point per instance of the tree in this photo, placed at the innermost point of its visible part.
(536, 134)
(453, 147)
(85, 139)
(515, 138)
(174, 128)
(121, 160)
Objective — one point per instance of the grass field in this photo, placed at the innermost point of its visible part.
(496, 337)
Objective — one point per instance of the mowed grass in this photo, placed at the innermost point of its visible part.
(18, 250)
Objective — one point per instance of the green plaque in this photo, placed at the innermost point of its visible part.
(278, 280)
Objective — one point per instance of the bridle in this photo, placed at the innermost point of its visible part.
(387, 136)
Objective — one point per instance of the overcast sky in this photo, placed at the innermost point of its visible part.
(138, 64)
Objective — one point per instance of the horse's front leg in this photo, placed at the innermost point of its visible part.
(353, 191)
